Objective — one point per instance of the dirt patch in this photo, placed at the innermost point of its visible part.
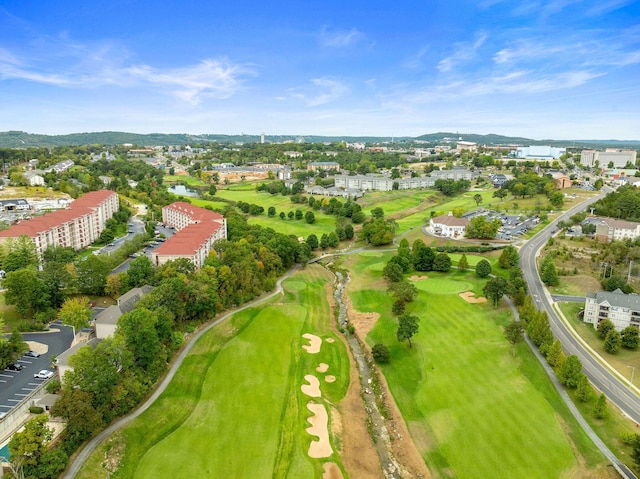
(314, 343)
(362, 322)
(330, 379)
(470, 297)
(320, 428)
(330, 470)
(313, 388)
(359, 456)
(322, 368)
(415, 277)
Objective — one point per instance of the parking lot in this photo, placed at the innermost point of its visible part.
(15, 386)
(513, 226)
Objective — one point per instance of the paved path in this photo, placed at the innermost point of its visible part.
(76, 464)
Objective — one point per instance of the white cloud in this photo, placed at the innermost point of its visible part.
(339, 39)
(463, 53)
(323, 90)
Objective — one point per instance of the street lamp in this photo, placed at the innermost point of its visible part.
(633, 370)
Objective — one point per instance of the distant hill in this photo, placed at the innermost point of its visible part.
(493, 139)
(21, 139)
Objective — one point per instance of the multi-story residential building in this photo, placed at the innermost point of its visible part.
(323, 165)
(619, 158)
(621, 309)
(197, 230)
(448, 226)
(385, 183)
(76, 227)
(610, 229)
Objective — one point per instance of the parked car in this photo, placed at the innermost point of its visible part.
(32, 354)
(44, 374)
(15, 367)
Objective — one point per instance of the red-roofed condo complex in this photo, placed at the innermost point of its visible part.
(77, 226)
(197, 230)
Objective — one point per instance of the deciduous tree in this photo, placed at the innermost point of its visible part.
(407, 327)
(483, 268)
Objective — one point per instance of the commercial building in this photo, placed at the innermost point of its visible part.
(76, 227)
(539, 152)
(385, 183)
(621, 309)
(619, 158)
(323, 165)
(197, 230)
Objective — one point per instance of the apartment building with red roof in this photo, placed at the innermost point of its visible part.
(197, 229)
(77, 227)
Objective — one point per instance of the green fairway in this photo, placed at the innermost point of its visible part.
(236, 408)
(473, 409)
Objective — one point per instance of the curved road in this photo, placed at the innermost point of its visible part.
(76, 464)
(603, 379)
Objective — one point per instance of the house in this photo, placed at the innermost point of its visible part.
(197, 229)
(107, 320)
(561, 180)
(621, 309)
(34, 178)
(18, 204)
(499, 179)
(62, 360)
(448, 226)
(610, 229)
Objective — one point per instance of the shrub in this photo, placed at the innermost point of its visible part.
(36, 410)
(381, 353)
(483, 268)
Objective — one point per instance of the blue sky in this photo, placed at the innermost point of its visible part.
(562, 69)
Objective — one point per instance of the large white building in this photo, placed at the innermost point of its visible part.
(619, 158)
(539, 152)
(621, 309)
(385, 183)
(448, 226)
(611, 229)
(77, 226)
(197, 230)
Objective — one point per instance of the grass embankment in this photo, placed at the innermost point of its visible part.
(473, 408)
(235, 408)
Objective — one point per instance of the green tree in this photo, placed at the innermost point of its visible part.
(309, 217)
(26, 291)
(140, 272)
(480, 227)
(442, 262)
(630, 337)
(509, 257)
(298, 214)
(514, 332)
(463, 264)
(21, 254)
(32, 442)
(584, 391)
(422, 256)
(483, 268)
(92, 273)
(604, 327)
(392, 272)
(138, 329)
(612, 342)
(600, 410)
(555, 355)
(380, 353)
(548, 272)
(495, 289)
(570, 371)
(271, 211)
(312, 241)
(403, 291)
(407, 327)
(76, 312)
(477, 198)
(83, 421)
(500, 193)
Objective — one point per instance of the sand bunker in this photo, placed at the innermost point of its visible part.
(330, 340)
(418, 278)
(330, 379)
(330, 470)
(313, 388)
(469, 297)
(322, 368)
(319, 428)
(314, 343)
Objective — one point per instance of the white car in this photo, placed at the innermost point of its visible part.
(44, 374)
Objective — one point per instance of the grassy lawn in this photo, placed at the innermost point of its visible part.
(235, 407)
(469, 403)
(187, 180)
(11, 317)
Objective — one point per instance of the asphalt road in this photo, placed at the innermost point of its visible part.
(615, 390)
(16, 385)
